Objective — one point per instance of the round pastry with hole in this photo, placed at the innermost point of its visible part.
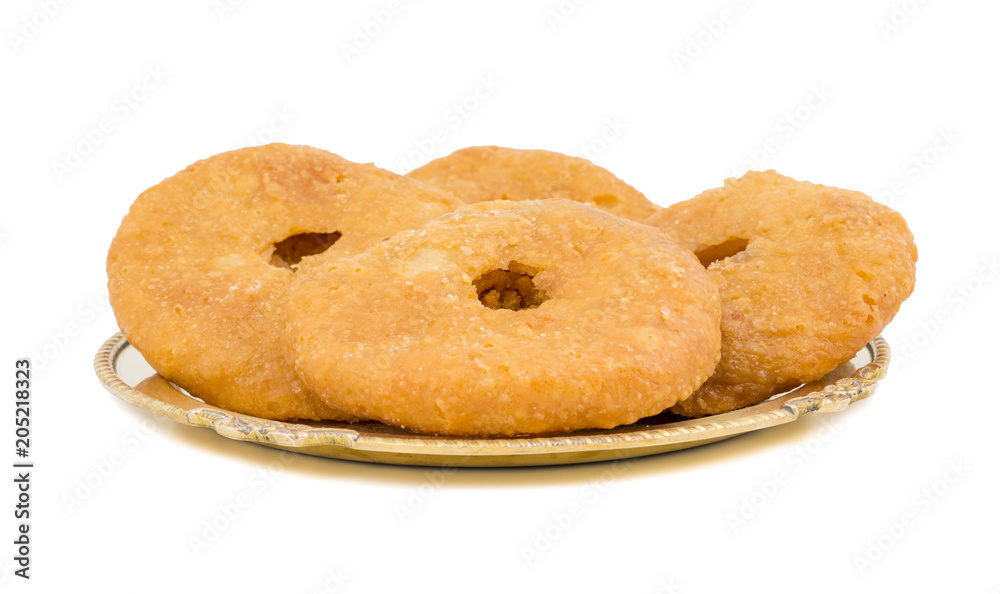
(199, 268)
(482, 173)
(808, 274)
(507, 318)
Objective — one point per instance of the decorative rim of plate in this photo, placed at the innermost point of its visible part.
(776, 411)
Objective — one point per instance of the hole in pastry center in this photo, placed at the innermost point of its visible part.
(721, 251)
(513, 288)
(290, 251)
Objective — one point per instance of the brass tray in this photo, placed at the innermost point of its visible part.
(125, 374)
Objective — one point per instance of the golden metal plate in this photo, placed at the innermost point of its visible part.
(125, 374)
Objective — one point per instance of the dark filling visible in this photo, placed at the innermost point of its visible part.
(724, 250)
(513, 288)
(289, 252)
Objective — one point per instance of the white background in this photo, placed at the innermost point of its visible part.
(868, 100)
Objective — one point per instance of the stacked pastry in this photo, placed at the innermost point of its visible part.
(495, 291)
